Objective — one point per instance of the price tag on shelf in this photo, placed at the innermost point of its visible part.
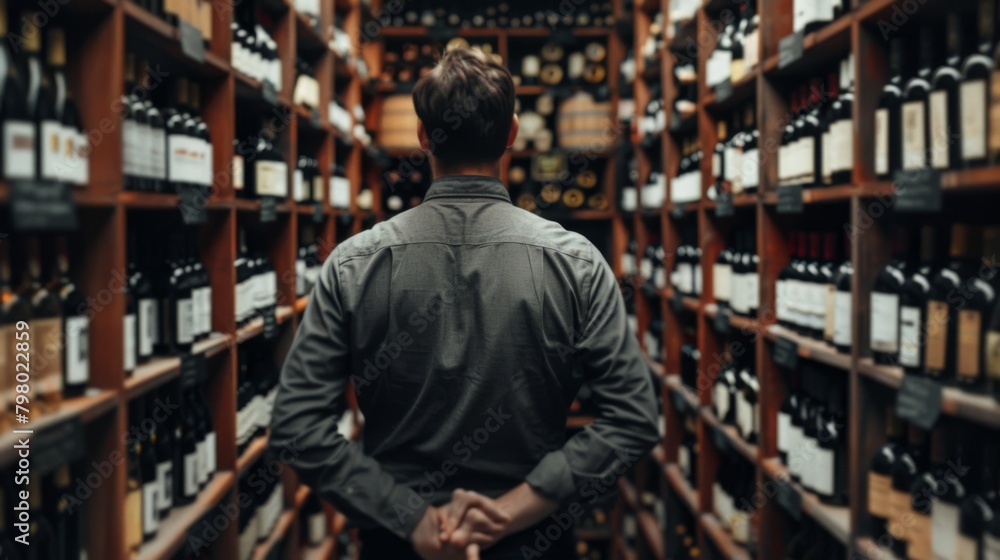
(790, 49)
(57, 445)
(42, 206)
(268, 209)
(724, 90)
(318, 215)
(722, 321)
(724, 207)
(789, 498)
(268, 91)
(270, 323)
(918, 190)
(786, 353)
(676, 302)
(193, 205)
(790, 199)
(919, 401)
(720, 439)
(193, 369)
(191, 42)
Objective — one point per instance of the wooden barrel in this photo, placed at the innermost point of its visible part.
(398, 126)
(584, 123)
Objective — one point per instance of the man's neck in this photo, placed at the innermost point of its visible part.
(490, 169)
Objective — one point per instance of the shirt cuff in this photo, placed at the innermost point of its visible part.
(552, 477)
(402, 511)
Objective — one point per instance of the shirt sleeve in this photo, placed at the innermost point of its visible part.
(304, 423)
(607, 354)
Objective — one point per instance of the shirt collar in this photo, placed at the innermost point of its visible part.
(467, 186)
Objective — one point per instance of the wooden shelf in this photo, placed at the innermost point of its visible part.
(88, 407)
(689, 303)
(723, 541)
(256, 327)
(689, 497)
(742, 91)
(674, 384)
(825, 44)
(173, 530)
(251, 454)
(161, 370)
(835, 520)
(651, 533)
(745, 325)
(811, 349)
(165, 39)
(749, 451)
(981, 409)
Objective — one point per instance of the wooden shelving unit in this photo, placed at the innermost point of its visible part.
(104, 31)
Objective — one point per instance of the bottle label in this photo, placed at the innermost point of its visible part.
(271, 178)
(914, 135)
(937, 335)
(164, 473)
(966, 548)
(992, 355)
(143, 150)
(210, 454)
(238, 173)
(919, 545)
(646, 268)
(825, 467)
(77, 350)
(128, 147)
(81, 160)
(201, 464)
(19, 150)
(973, 107)
(781, 299)
(129, 343)
(148, 324)
(940, 138)
(807, 159)
(831, 312)
(751, 287)
(47, 355)
(298, 186)
(133, 516)
(51, 150)
(909, 336)
(885, 322)
(842, 322)
(684, 460)
(317, 528)
(794, 447)
(842, 133)
(158, 153)
(744, 416)
(969, 333)
(684, 280)
(879, 486)
(150, 508)
(994, 116)
(750, 47)
(697, 279)
(206, 310)
(185, 321)
(899, 511)
(784, 429)
(944, 521)
(722, 281)
(881, 141)
(191, 474)
(991, 545)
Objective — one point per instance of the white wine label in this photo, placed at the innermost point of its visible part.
(944, 526)
(992, 355)
(720, 396)
(158, 153)
(317, 528)
(51, 150)
(206, 310)
(825, 469)
(81, 162)
(909, 336)
(19, 150)
(165, 474)
(842, 322)
(744, 416)
(991, 547)
(77, 350)
(784, 431)
(882, 141)
(47, 356)
(201, 463)
(842, 137)
(299, 192)
(191, 474)
(914, 135)
(210, 454)
(781, 299)
(973, 108)
(144, 142)
(884, 322)
(128, 146)
(147, 326)
(684, 460)
(129, 346)
(271, 178)
(238, 172)
(807, 157)
(751, 289)
(150, 508)
(697, 279)
(722, 281)
(185, 321)
(646, 268)
(939, 129)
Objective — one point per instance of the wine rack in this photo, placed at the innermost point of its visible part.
(102, 32)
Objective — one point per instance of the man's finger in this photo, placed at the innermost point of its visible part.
(487, 506)
(472, 552)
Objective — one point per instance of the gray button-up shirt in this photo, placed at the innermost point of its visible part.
(466, 325)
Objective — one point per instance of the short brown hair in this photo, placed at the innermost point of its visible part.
(466, 104)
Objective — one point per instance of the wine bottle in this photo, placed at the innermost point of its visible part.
(976, 72)
(150, 483)
(972, 316)
(46, 329)
(841, 127)
(914, 106)
(164, 448)
(979, 507)
(946, 501)
(722, 281)
(141, 289)
(885, 297)
(913, 305)
(943, 315)
(31, 68)
(843, 319)
(76, 325)
(888, 127)
(905, 470)
(880, 475)
(133, 494)
(944, 111)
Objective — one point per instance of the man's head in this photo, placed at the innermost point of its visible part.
(466, 109)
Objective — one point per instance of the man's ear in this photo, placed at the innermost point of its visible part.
(513, 131)
(425, 144)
